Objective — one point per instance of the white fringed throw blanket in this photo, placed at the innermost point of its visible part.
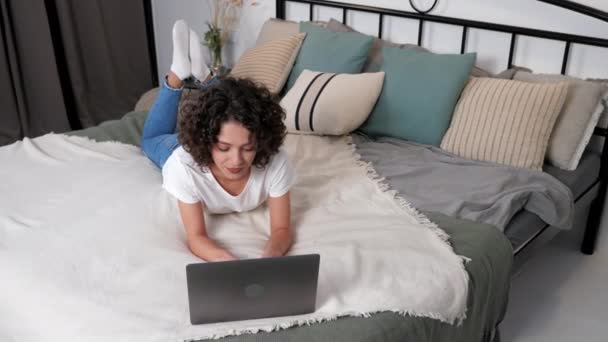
(93, 249)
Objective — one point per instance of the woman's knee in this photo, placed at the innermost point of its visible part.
(147, 146)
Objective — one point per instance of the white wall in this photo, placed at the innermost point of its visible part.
(492, 48)
(537, 54)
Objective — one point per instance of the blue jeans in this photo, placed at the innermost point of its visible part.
(159, 139)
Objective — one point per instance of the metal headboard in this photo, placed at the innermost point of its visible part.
(515, 31)
(593, 222)
(580, 8)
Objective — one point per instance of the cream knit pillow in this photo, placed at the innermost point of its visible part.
(328, 103)
(504, 121)
(270, 63)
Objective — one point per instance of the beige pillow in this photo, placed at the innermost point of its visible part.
(332, 104)
(374, 60)
(510, 73)
(270, 63)
(504, 121)
(275, 29)
(576, 121)
(603, 122)
(146, 101)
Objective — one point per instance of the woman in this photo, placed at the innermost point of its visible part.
(226, 156)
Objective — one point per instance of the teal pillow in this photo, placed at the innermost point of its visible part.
(323, 50)
(419, 94)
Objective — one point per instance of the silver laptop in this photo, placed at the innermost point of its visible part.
(252, 288)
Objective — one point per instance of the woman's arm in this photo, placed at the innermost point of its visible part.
(199, 243)
(280, 232)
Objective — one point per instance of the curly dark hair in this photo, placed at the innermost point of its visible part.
(241, 100)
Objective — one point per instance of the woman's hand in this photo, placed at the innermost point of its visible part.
(222, 255)
(270, 252)
(278, 244)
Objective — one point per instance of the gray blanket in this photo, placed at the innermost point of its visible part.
(435, 180)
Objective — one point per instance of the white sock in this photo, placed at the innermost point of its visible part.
(199, 68)
(181, 63)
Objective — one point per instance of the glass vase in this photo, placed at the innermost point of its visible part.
(216, 61)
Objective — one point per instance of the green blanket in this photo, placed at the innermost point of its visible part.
(489, 269)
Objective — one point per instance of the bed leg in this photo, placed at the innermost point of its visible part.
(593, 226)
(594, 220)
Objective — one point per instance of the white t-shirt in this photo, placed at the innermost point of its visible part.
(189, 183)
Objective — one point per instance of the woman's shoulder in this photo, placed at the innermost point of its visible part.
(279, 164)
(278, 159)
(280, 174)
(180, 158)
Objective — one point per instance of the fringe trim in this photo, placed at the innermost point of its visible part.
(404, 204)
(315, 320)
(92, 142)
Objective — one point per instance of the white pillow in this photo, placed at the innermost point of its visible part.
(328, 103)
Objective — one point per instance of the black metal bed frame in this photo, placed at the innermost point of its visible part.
(600, 184)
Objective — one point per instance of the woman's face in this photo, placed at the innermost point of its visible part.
(234, 151)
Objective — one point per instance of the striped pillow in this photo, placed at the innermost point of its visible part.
(270, 63)
(329, 103)
(504, 121)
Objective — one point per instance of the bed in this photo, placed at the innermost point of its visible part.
(489, 270)
(492, 253)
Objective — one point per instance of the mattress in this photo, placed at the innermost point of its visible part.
(525, 224)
